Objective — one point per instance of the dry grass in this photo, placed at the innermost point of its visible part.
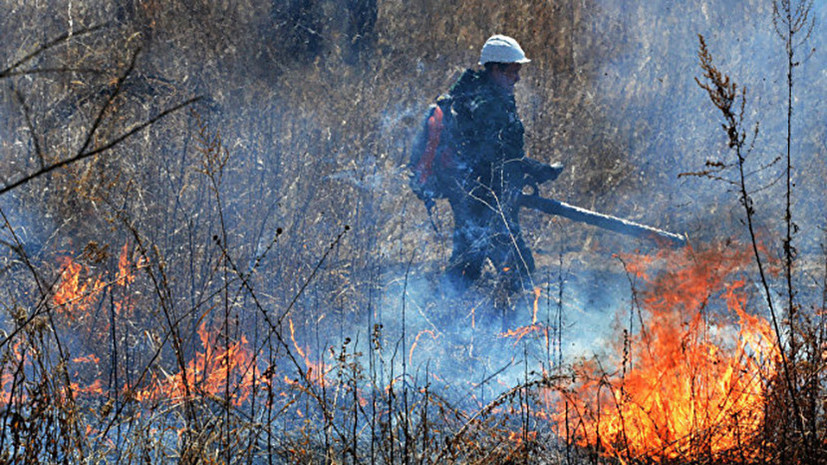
(239, 265)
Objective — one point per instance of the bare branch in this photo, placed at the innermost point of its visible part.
(28, 72)
(57, 41)
(84, 155)
(27, 113)
(115, 92)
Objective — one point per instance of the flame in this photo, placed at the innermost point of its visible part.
(77, 292)
(537, 294)
(693, 381)
(516, 437)
(534, 327)
(75, 295)
(523, 331)
(95, 388)
(14, 357)
(315, 371)
(91, 358)
(210, 373)
(416, 342)
(125, 273)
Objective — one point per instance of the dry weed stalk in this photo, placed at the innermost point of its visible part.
(801, 385)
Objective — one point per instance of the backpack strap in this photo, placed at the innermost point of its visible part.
(435, 126)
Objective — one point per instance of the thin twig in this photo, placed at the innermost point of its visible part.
(84, 155)
(54, 42)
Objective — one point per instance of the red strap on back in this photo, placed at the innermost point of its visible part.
(434, 131)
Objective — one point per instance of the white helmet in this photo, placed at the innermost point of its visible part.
(502, 49)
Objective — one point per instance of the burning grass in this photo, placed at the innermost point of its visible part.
(196, 346)
(215, 371)
(227, 374)
(692, 384)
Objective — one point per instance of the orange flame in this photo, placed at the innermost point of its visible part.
(91, 358)
(125, 274)
(95, 388)
(693, 381)
(516, 437)
(315, 371)
(523, 331)
(15, 357)
(77, 292)
(416, 342)
(210, 373)
(76, 295)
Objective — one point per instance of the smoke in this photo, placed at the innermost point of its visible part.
(23, 233)
(312, 206)
(673, 128)
(663, 126)
(424, 331)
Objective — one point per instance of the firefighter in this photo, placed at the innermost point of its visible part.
(491, 169)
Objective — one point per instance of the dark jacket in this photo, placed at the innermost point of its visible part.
(489, 138)
(488, 175)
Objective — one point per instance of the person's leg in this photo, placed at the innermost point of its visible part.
(512, 258)
(523, 257)
(467, 255)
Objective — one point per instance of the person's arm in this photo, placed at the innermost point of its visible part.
(537, 171)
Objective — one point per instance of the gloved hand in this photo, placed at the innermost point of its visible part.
(549, 172)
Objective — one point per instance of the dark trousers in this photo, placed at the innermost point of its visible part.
(484, 229)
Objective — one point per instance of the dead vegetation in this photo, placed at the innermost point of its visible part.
(210, 254)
